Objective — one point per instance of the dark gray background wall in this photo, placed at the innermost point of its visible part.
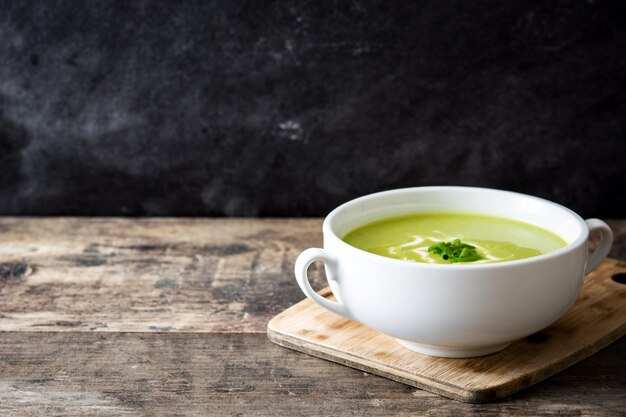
(289, 108)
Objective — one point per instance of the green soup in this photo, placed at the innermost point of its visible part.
(496, 239)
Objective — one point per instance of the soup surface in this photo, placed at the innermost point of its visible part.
(496, 239)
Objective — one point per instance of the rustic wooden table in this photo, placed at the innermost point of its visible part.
(115, 317)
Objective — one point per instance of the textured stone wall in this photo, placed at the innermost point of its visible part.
(289, 108)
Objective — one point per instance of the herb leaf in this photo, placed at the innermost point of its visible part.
(455, 251)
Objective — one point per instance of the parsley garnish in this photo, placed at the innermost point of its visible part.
(455, 251)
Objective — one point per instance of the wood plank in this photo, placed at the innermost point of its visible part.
(157, 274)
(192, 374)
(597, 319)
(89, 278)
(192, 275)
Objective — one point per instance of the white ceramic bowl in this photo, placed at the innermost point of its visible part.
(456, 310)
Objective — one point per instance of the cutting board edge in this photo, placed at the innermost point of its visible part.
(455, 392)
(476, 396)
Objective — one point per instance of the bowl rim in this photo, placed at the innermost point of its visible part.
(570, 247)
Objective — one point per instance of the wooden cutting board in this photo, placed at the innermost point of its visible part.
(597, 319)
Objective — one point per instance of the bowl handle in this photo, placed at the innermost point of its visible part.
(305, 259)
(603, 248)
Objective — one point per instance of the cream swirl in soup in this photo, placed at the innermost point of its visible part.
(495, 239)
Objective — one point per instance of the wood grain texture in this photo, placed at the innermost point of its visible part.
(597, 319)
(193, 374)
(227, 275)
(156, 317)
